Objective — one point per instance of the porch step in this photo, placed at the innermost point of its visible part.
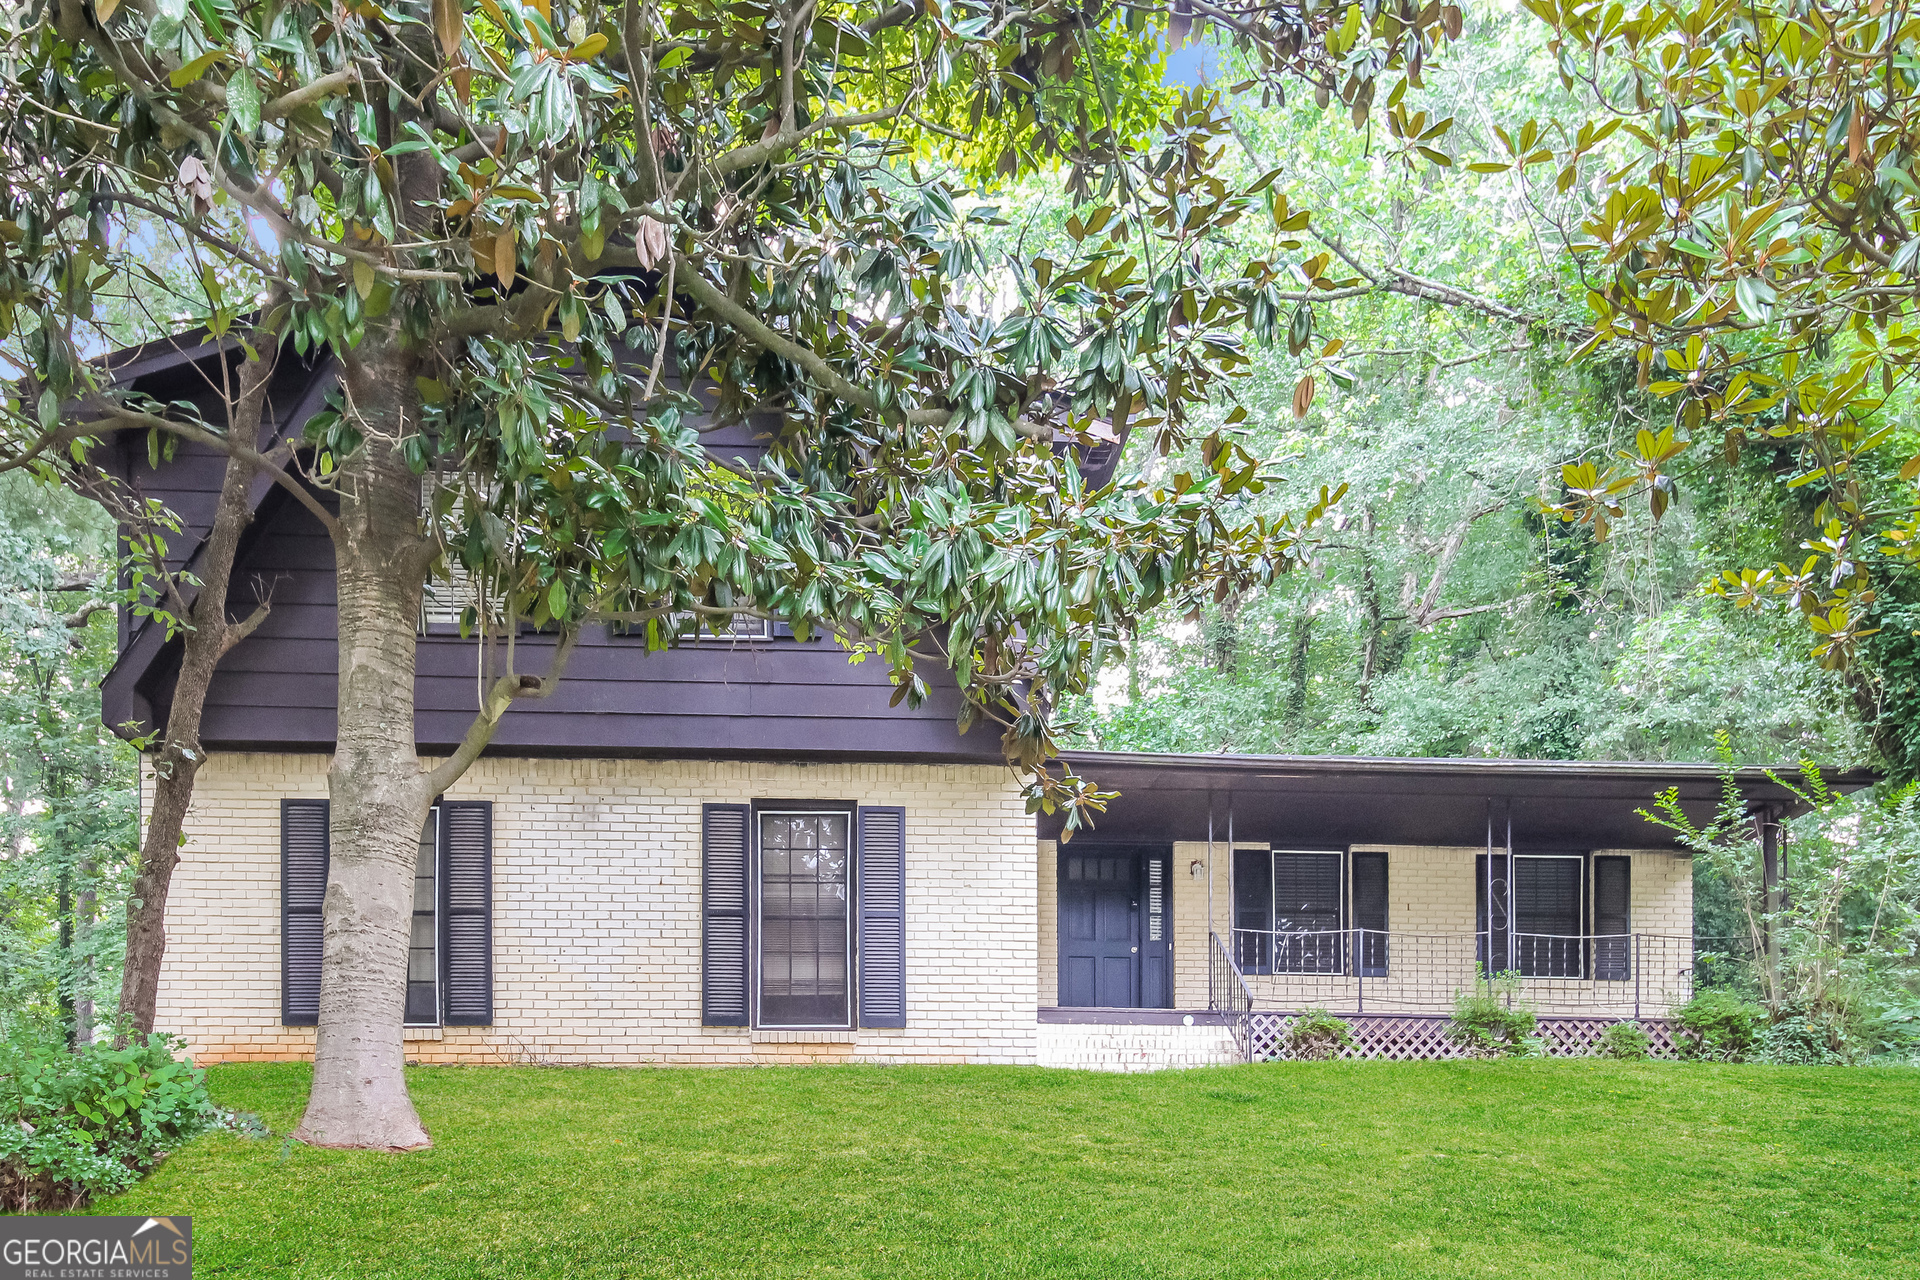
(1111, 1047)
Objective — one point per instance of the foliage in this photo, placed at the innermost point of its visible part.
(1442, 614)
(1423, 1169)
(67, 787)
(1838, 935)
(79, 1123)
(1623, 1040)
(1748, 245)
(1488, 1023)
(1316, 1036)
(444, 198)
(1719, 1025)
(1816, 1035)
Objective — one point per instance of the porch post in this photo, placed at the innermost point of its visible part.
(1770, 892)
(1636, 977)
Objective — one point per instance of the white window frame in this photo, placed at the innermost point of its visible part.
(850, 815)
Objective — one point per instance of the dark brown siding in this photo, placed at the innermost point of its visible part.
(780, 697)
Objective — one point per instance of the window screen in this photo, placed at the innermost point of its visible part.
(804, 937)
(423, 956)
(1547, 916)
(1306, 905)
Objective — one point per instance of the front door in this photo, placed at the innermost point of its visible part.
(1115, 929)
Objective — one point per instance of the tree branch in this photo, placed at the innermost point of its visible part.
(505, 691)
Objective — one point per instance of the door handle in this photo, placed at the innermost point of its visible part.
(1136, 951)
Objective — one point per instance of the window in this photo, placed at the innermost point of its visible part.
(806, 943)
(423, 946)
(689, 628)
(450, 935)
(1287, 911)
(1538, 920)
(1306, 912)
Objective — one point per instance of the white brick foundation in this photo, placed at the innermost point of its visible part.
(1109, 1047)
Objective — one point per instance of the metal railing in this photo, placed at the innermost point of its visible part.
(1227, 991)
(1380, 971)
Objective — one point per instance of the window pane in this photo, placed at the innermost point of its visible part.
(423, 955)
(804, 926)
(1546, 917)
(1306, 904)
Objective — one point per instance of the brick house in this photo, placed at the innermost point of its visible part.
(734, 852)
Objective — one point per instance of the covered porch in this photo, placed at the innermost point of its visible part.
(1221, 895)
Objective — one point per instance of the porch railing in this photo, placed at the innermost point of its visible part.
(1628, 975)
(1227, 990)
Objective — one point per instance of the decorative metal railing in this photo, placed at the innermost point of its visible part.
(1227, 991)
(1629, 975)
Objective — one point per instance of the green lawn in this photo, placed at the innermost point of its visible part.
(1566, 1168)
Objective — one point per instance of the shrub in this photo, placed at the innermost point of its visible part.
(1317, 1036)
(1486, 1024)
(1623, 1040)
(1801, 1036)
(86, 1122)
(1717, 1025)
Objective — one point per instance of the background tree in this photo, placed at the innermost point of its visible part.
(67, 786)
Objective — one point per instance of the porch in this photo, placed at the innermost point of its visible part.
(1220, 897)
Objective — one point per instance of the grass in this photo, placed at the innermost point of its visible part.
(1558, 1168)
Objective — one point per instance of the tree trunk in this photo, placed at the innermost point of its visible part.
(1297, 668)
(207, 637)
(378, 789)
(85, 902)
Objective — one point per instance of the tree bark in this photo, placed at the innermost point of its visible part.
(206, 638)
(379, 792)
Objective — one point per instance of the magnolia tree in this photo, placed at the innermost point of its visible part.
(551, 246)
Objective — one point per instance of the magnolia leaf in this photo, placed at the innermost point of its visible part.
(1303, 396)
(503, 257)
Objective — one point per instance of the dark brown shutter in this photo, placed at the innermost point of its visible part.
(303, 891)
(883, 917)
(1253, 910)
(1612, 918)
(1370, 913)
(466, 913)
(723, 941)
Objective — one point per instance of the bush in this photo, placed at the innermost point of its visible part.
(87, 1122)
(1623, 1040)
(1717, 1025)
(1317, 1036)
(1486, 1024)
(1801, 1036)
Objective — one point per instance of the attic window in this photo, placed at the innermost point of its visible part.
(688, 627)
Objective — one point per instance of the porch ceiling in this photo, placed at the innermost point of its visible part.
(1341, 800)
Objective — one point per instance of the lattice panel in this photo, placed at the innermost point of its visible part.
(1423, 1037)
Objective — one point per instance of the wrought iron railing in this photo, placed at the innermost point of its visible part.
(1627, 975)
(1227, 991)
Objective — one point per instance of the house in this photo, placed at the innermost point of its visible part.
(735, 852)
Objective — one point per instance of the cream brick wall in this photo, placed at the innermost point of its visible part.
(597, 913)
(1430, 904)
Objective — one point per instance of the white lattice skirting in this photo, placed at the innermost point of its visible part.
(1416, 1036)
